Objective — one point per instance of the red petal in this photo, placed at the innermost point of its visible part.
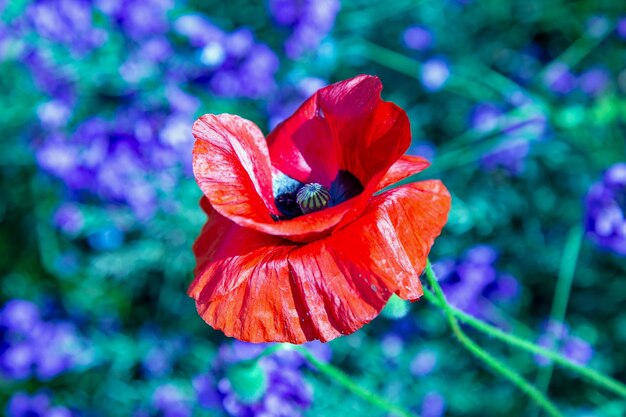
(303, 146)
(265, 289)
(343, 126)
(261, 288)
(394, 235)
(404, 167)
(225, 255)
(232, 167)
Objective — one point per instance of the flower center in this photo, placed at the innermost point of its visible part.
(312, 197)
(293, 198)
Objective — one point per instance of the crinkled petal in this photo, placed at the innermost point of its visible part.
(226, 255)
(403, 168)
(268, 289)
(394, 235)
(232, 167)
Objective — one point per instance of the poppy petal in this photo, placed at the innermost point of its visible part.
(225, 255)
(394, 235)
(303, 147)
(231, 164)
(232, 167)
(371, 144)
(296, 296)
(345, 126)
(269, 289)
(264, 288)
(404, 167)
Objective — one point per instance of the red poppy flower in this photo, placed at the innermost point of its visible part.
(297, 245)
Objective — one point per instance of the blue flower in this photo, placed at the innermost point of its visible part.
(33, 347)
(38, 405)
(424, 362)
(417, 37)
(605, 218)
(594, 81)
(66, 21)
(556, 336)
(169, 401)
(510, 154)
(559, 78)
(139, 19)
(273, 385)
(433, 405)
(310, 21)
(232, 64)
(434, 74)
(473, 280)
(621, 27)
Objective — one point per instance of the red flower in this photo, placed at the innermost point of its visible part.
(297, 246)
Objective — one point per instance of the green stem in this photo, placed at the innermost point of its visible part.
(483, 355)
(345, 381)
(411, 67)
(566, 273)
(467, 154)
(597, 378)
(561, 294)
(337, 376)
(577, 50)
(270, 350)
(46, 240)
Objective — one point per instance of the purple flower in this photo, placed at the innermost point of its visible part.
(472, 280)
(231, 64)
(605, 218)
(38, 405)
(594, 81)
(66, 21)
(510, 154)
(68, 218)
(559, 78)
(621, 27)
(557, 337)
(180, 101)
(170, 402)
(272, 385)
(49, 79)
(433, 405)
(434, 74)
(309, 20)
(127, 160)
(417, 37)
(140, 19)
(486, 117)
(424, 362)
(392, 346)
(19, 316)
(422, 148)
(163, 352)
(32, 347)
(54, 114)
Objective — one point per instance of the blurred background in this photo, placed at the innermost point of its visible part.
(520, 105)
